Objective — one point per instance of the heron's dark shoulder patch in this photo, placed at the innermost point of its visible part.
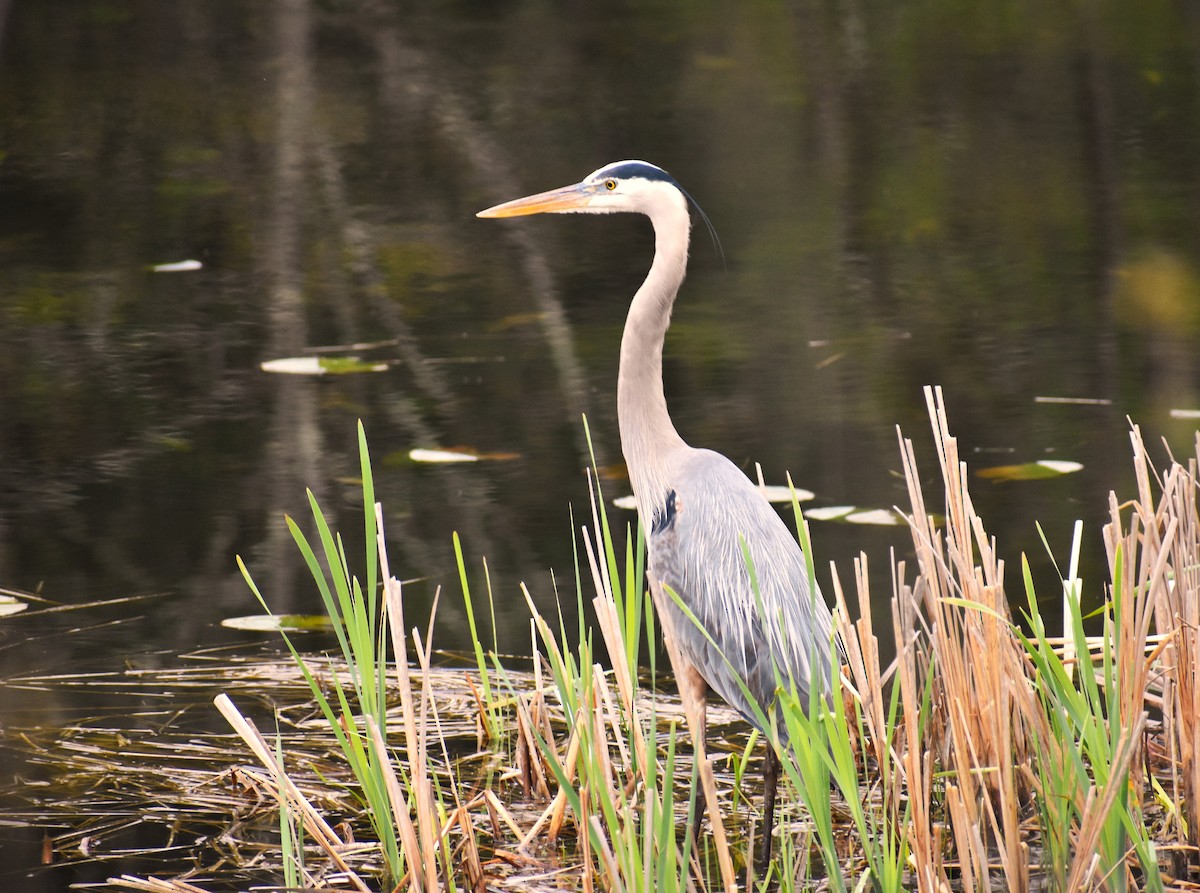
(665, 515)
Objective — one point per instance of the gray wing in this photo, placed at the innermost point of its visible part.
(695, 548)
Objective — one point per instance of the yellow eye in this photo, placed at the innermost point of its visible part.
(610, 185)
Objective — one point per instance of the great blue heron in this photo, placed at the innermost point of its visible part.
(698, 507)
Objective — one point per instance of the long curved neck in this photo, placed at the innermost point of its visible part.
(647, 433)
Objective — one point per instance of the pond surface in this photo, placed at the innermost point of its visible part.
(1003, 199)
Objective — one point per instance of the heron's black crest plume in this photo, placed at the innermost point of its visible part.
(712, 230)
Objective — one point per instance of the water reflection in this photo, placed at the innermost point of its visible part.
(999, 199)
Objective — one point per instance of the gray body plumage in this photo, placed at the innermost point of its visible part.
(696, 548)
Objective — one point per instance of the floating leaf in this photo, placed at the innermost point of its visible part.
(320, 366)
(451, 454)
(294, 366)
(1030, 471)
(881, 517)
(179, 266)
(853, 515)
(780, 493)
(1061, 466)
(828, 513)
(441, 456)
(268, 623)
(350, 365)
(10, 605)
(1080, 401)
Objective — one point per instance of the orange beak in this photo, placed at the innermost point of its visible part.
(557, 201)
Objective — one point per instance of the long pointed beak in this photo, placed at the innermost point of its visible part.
(556, 201)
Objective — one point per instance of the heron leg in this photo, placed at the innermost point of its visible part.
(693, 691)
(771, 767)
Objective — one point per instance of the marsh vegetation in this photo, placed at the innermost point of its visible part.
(988, 753)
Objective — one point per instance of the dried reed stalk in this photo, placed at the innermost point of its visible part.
(154, 885)
(610, 622)
(981, 696)
(313, 822)
(861, 660)
(420, 839)
(1163, 534)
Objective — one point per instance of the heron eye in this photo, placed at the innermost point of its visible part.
(610, 185)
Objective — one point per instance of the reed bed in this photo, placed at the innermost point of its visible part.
(987, 755)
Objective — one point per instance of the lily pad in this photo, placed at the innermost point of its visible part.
(1030, 471)
(10, 605)
(179, 266)
(880, 517)
(321, 366)
(350, 365)
(1076, 401)
(828, 512)
(271, 623)
(781, 493)
(294, 366)
(441, 456)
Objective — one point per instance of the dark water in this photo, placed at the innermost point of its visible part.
(1000, 198)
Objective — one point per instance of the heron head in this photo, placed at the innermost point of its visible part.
(635, 186)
